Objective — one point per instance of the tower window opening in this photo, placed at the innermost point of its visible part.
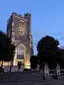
(20, 52)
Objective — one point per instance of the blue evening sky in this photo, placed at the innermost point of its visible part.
(47, 17)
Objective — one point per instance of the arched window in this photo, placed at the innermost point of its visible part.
(21, 27)
(20, 51)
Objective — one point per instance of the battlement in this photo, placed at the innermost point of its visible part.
(18, 15)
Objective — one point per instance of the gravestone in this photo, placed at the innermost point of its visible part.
(46, 70)
(6, 68)
(58, 69)
(14, 69)
(21, 68)
(38, 66)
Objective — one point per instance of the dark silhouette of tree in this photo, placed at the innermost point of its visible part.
(61, 58)
(47, 49)
(34, 61)
(6, 48)
(19, 64)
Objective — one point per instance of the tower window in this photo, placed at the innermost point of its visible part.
(20, 52)
(21, 24)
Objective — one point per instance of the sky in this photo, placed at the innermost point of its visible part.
(47, 17)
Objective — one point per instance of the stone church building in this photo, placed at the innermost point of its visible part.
(19, 31)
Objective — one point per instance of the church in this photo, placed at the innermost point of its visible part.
(19, 31)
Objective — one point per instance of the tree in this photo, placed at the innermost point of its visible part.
(47, 48)
(19, 65)
(6, 48)
(34, 62)
(61, 58)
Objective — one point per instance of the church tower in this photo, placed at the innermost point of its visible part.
(18, 29)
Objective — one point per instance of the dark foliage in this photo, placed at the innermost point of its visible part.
(34, 61)
(48, 51)
(6, 48)
(19, 64)
(61, 58)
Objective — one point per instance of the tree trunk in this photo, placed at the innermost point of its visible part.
(1, 64)
(55, 74)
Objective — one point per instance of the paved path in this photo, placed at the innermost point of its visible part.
(39, 82)
(30, 78)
